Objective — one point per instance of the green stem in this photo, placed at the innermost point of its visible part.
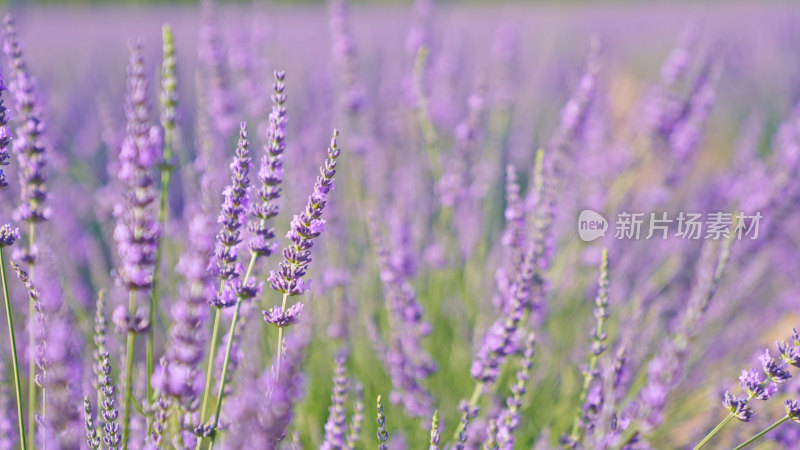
(280, 340)
(224, 375)
(211, 355)
(166, 176)
(15, 359)
(31, 346)
(209, 370)
(130, 348)
(762, 433)
(713, 432)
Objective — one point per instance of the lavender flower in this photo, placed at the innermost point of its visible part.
(92, 438)
(29, 144)
(169, 82)
(466, 413)
(792, 409)
(434, 442)
(508, 420)
(344, 56)
(270, 175)
(39, 346)
(383, 435)
(233, 217)
(406, 360)
(738, 407)
(160, 420)
(5, 135)
(304, 228)
(111, 436)
(8, 235)
(336, 426)
(181, 377)
(354, 434)
(136, 231)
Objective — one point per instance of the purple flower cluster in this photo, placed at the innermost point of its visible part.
(5, 135)
(136, 231)
(270, 174)
(304, 228)
(29, 144)
(233, 218)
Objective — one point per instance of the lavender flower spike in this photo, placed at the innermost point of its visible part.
(434, 442)
(5, 136)
(336, 426)
(28, 145)
(111, 437)
(8, 235)
(270, 175)
(304, 228)
(92, 438)
(509, 418)
(383, 435)
(233, 217)
(354, 433)
(136, 231)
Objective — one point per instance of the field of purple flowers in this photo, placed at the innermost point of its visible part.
(346, 227)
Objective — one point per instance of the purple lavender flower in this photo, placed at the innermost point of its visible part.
(336, 426)
(775, 371)
(792, 409)
(111, 436)
(181, 378)
(92, 438)
(137, 231)
(790, 353)
(434, 442)
(753, 383)
(466, 413)
(304, 228)
(211, 52)
(233, 217)
(263, 421)
(509, 418)
(29, 144)
(270, 175)
(383, 435)
(354, 432)
(8, 235)
(406, 360)
(5, 135)
(160, 420)
(737, 406)
(344, 56)
(280, 318)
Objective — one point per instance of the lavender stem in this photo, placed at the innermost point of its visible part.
(280, 339)
(15, 359)
(166, 176)
(129, 350)
(228, 349)
(31, 345)
(762, 433)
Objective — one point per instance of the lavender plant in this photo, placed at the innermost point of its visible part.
(474, 142)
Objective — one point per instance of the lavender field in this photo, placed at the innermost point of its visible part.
(400, 226)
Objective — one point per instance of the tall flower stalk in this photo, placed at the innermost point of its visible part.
(169, 101)
(30, 149)
(270, 177)
(7, 238)
(305, 226)
(136, 232)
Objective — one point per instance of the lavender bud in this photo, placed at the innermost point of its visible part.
(8, 235)
(92, 438)
(383, 435)
(336, 426)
